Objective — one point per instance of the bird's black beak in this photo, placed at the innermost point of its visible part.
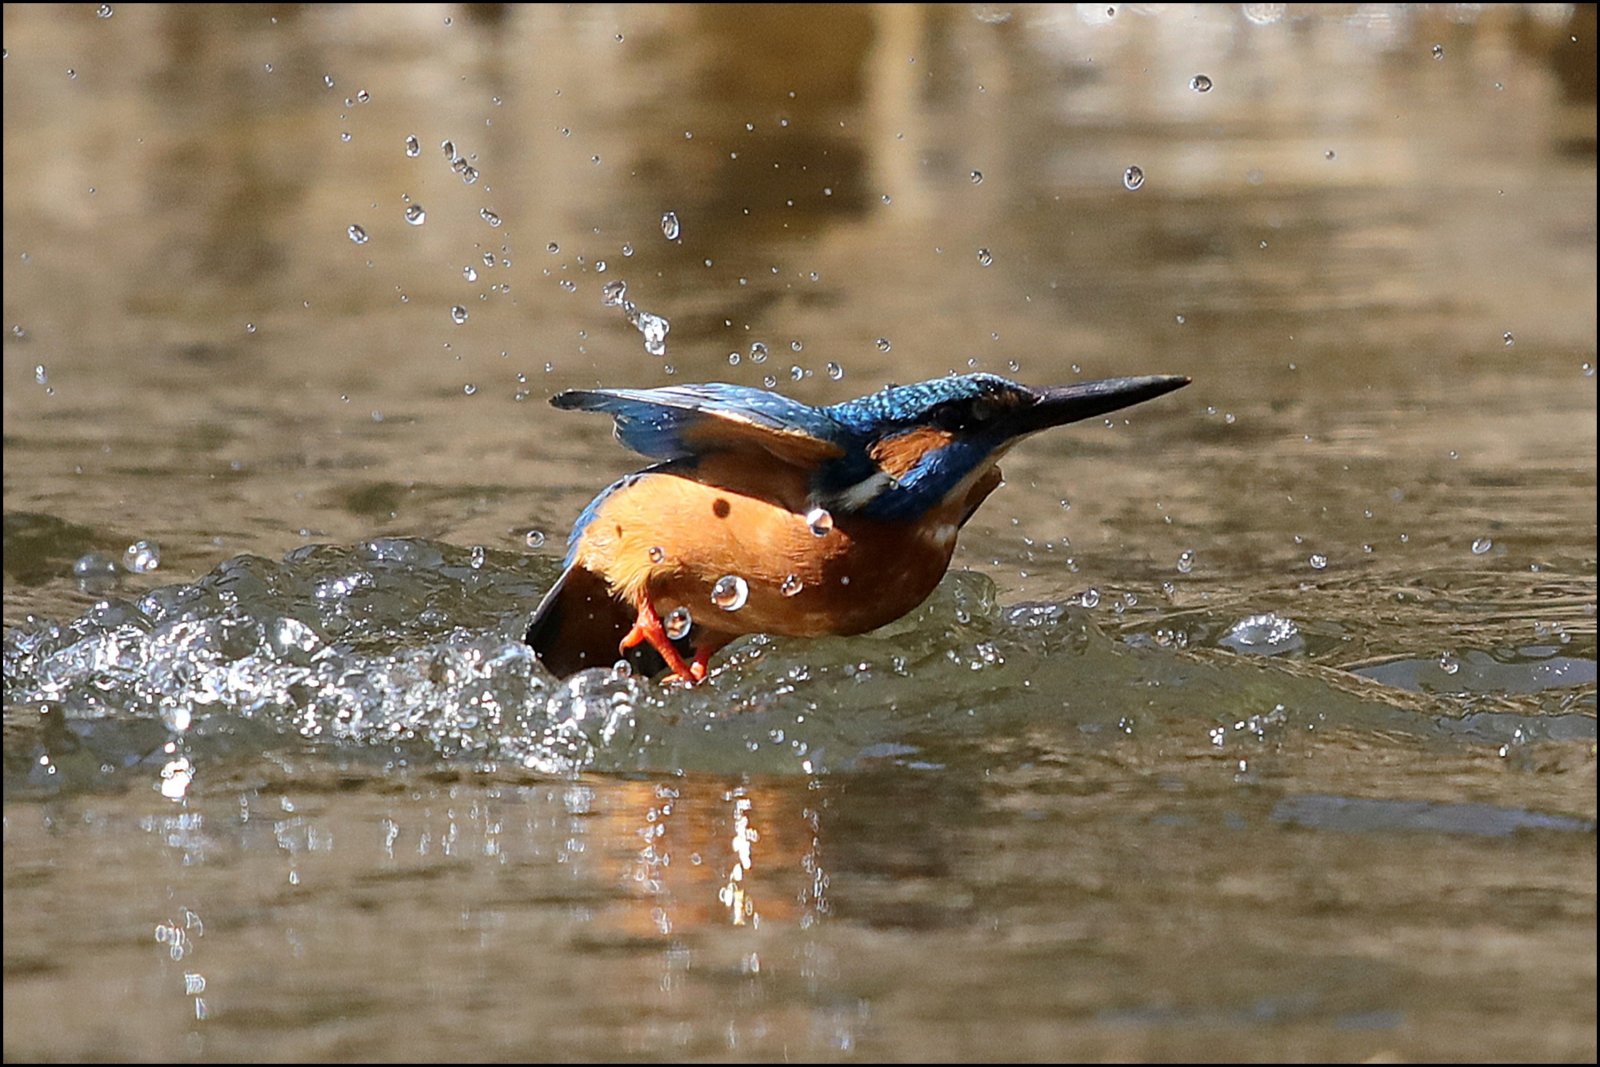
(1060, 405)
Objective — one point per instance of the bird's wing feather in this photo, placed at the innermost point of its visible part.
(690, 420)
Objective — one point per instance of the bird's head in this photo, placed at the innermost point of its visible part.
(919, 445)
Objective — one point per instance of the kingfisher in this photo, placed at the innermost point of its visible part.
(766, 515)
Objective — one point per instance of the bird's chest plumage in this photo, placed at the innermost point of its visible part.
(732, 542)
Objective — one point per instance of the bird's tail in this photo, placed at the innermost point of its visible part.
(579, 624)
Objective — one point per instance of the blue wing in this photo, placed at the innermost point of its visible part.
(680, 421)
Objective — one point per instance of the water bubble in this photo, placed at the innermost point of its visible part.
(1438, 51)
(1509, 339)
(1329, 154)
(758, 352)
(791, 585)
(820, 521)
(977, 177)
(471, 389)
(1090, 597)
(40, 374)
(249, 327)
(613, 293)
(1264, 635)
(1186, 561)
(469, 273)
(985, 258)
(730, 592)
(469, 174)
(142, 557)
(1200, 83)
(678, 623)
(415, 215)
(458, 314)
(657, 554)
(358, 235)
(104, 11)
(1448, 663)
(490, 217)
(568, 285)
(1318, 561)
(95, 569)
(449, 149)
(1481, 545)
(670, 228)
(835, 371)
(883, 344)
(1133, 177)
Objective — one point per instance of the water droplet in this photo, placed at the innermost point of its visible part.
(758, 352)
(358, 235)
(415, 215)
(1133, 177)
(490, 217)
(654, 328)
(985, 258)
(657, 554)
(40, 375)
(533, 538)
(820, 521)
(449, 149)
(1200, 83)
(678, 623)
(1328, 154)
(470, 389)
(142, 557)
(458, 314)
(1186, 561)
(977, 177)
(670, 228)
(613, 293)
(249, 327)
(1090, 597)
(791, 585)
(1438, 51)
(469, 174)
(104, 11)
(1481, 545)
(568, 285)
(1509, 339)
(470, 273)
(1318, 561)
(730, 592)
(835, 371)
(1448, 663)
(883, 344)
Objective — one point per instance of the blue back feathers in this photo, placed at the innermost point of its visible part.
(684, 421)
(690, 420)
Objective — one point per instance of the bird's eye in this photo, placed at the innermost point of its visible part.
(951, 417)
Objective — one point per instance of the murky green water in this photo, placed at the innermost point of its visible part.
(1257, 724)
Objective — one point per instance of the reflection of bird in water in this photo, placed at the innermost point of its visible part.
(765, 515)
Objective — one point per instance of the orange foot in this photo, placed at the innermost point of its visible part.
(702, 656)
(648, 628)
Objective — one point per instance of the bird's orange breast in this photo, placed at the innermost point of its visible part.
(672, 537)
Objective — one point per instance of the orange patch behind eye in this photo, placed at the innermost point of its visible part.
(899, 454)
